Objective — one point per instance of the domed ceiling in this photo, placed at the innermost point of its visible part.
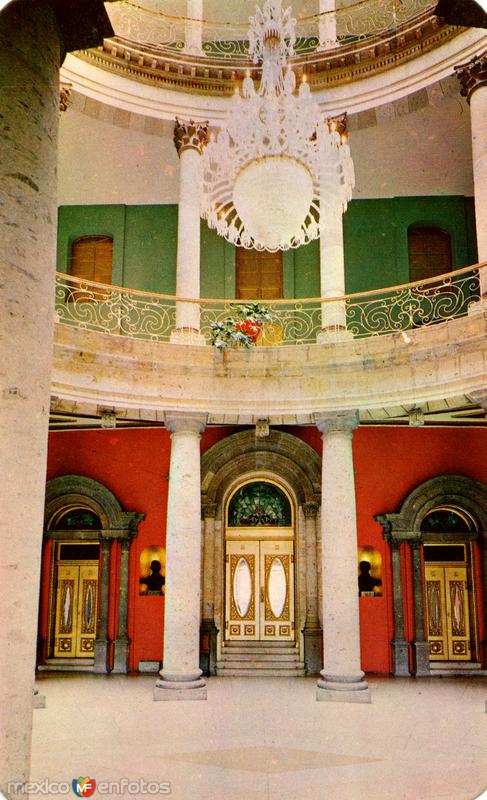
(201, 45)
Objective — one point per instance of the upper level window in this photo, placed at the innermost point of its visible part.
(91, 258)
(430, 253)
(258, 274)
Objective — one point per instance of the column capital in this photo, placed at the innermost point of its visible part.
(208, 510)
(337, 421)
(310, 509)
(190, 136)
(473, 75)
(339, 123)
(182, 422)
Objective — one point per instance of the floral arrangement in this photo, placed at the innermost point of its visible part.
(242, 329)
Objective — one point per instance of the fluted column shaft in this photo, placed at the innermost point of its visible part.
(342, 676)
(180, 677)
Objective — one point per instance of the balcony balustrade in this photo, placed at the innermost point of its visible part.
(127, 312)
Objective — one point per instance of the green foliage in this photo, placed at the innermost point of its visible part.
(242, 329)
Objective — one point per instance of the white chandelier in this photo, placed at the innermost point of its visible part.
(277, 165)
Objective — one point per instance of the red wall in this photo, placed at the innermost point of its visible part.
(389, 464)
(134, 465)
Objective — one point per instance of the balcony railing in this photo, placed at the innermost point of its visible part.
(227, 39)
(145, 315)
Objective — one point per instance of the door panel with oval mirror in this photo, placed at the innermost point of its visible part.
(259, 591)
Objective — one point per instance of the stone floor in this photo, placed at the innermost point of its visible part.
(265, 739)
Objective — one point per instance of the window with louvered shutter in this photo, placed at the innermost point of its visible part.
(430, 253)
(258, 274)
(91, 258)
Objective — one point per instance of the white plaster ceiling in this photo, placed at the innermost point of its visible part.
(111, 156)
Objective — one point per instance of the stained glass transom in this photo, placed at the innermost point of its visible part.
(80, 519)
(445, 520)
(259, 503)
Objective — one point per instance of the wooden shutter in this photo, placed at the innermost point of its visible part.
(430, 253)
(259, 274)
(91, 258)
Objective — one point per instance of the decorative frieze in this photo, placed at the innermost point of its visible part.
(190, 136)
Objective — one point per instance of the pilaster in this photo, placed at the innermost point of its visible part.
(399, 644)
(313, 636)
(421, 648)
(122, 642)
(101, 641)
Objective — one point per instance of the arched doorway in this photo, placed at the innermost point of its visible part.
(259, 564)
(450, 586)
(85, 532)
(260, 494)
(438, 542)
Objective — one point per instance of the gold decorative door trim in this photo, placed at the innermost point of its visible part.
(76, 610)
(447, 612)
(259, 593)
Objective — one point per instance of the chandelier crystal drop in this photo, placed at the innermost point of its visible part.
(277, 167)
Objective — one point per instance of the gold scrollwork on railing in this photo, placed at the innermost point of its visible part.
(144, 315)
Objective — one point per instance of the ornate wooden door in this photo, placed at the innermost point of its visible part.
(259, 590)
(76, 610)
(447, 612)
(277, 591)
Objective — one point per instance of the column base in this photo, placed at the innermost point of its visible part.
(335, 333)
(343, 689)
(401, 659)
(208, 636)
(101, 656)
(120, 656)
(187, 336)
(38, 700)
(180, 690)
(421, 659)
(180, 686)
(313, 649)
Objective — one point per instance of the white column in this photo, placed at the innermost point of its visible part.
(194, 27)
(180, 677)
(332, 272)
(30, 52)
(342, 679)
(190, 139)
(327, 25)
(473, 77)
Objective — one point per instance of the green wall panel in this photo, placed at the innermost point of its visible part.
(150, 248)
(375, 240)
